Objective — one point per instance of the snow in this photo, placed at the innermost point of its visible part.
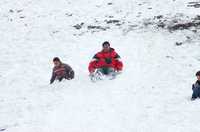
(151, 95)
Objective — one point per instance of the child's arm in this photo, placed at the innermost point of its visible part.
(192, 86)
(53, 77)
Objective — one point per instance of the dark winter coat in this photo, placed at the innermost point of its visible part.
(63, 71)
(196, 89)
(106, 59)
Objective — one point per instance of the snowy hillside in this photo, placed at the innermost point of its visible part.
(157, 40)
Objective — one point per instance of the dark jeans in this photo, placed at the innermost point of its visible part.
(106, 70)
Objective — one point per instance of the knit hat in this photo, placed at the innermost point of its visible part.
(106, 43)
(198, 73)
(56, 59)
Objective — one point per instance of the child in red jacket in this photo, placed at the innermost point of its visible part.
(106, 61)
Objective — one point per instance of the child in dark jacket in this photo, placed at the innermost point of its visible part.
(196, 87)
(61, 71)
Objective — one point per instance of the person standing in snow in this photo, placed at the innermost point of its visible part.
(196, 87)
(61, 71)
(106, 61)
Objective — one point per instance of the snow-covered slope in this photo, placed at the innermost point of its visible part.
(151, 95)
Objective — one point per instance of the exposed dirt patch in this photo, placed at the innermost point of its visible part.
(194, 4)
(78, 26)
(91, 27)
